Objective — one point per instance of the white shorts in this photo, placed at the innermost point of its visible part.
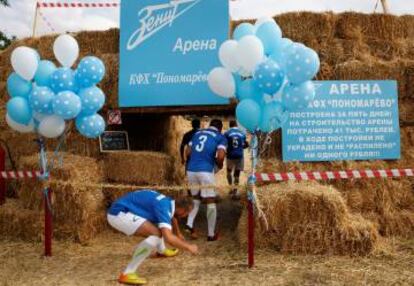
(127, 223)
(200, 179)
(235, 164)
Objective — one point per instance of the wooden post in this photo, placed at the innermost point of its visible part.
(35, 20)
(48, 222)
(2, 180)
(385, 6)
(250, 234)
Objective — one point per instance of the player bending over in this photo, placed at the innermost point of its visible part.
(152, 215)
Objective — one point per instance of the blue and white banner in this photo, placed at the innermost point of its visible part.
(167, 48)
(349, 120)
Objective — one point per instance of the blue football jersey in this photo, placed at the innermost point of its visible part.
(148, 204)
(204, 146)
(236, 142)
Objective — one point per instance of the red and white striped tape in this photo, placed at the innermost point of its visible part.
(20, 174)
(331, 175)
(76, 5)
(46, 21)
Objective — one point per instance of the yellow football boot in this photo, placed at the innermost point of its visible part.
(131, 279)
(168, 252)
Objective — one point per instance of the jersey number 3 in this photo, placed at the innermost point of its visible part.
(200, 146)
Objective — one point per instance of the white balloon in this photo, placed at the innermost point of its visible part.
(25, 61)
(20, 127)
(227, 55)
(66, 50)
(52, 126)
(221, 82)
(249, 53)
(263, 20)
(39, 116)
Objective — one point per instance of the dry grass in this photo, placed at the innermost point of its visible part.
(76, 169)
(150, 168)
(309, 218)
(18, 222)
(219, 263)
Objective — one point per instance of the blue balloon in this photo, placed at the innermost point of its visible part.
(17, 86)
(92, 99)
(67, 105)
(19, 110)
(242, 30)
(269, 77)
(247, 90)
(90, 126)
(282, 53)
(90, 71)
(270, 34)
(44, 73)
(40, 99)
(297, 97)
(248, 114)
(302, 64)
(272, 117)
(63, 79)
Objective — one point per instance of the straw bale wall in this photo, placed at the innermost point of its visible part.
(309, 218)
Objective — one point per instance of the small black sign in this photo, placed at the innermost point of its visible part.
(114, 141)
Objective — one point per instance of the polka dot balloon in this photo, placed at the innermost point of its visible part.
(67, 105)
(90, 71)
(90, 126)
(40, 99)
(269, 77)
(63, 79)
(297, 97)
(302, 64)
(92, 99)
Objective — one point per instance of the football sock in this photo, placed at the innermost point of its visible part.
(192, 215)
(143, 250)
(211, 219)
(161, 246)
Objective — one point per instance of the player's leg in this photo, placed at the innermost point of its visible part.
(195, 193)
(209, 196)
(131, 224)
(229, 171)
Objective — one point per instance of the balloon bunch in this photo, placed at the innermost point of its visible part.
(268, 74)
(43, 96)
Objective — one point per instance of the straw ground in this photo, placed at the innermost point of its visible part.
(219, 263)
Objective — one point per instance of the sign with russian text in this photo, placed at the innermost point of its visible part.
(348, 120)
(167, 49)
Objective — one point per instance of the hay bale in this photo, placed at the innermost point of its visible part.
(79, 210)
(308, 218)
(76, 169)
(110, 82)
(16, 222)
(138, 168)
(176, 127)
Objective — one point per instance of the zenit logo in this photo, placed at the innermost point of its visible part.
(153, 18)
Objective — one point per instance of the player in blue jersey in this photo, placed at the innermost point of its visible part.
(152, 215)
(235, 159)
(206, 152)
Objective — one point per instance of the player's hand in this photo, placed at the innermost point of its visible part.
(193, 249)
